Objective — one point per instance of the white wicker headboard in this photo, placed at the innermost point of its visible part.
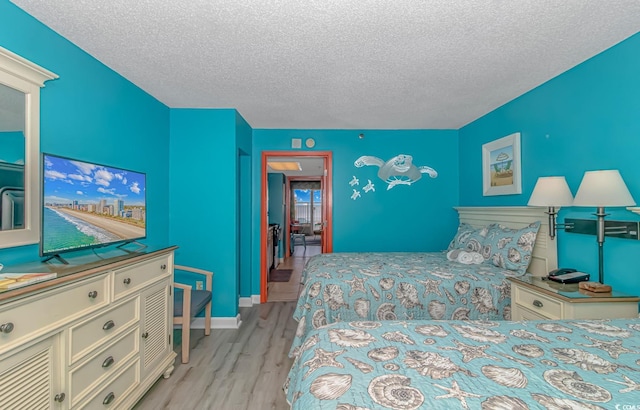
(545, 252)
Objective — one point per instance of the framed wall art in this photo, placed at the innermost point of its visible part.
(501, 173)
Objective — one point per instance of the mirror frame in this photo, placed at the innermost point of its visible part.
(27, 77)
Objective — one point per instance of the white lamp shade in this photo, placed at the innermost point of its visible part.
(551, 191)
(603, 188)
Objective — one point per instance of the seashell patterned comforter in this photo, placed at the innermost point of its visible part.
(389, 286)
(407, 365)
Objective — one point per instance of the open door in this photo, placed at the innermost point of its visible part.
(327, 204)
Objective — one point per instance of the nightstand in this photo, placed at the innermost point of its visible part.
(536, 298)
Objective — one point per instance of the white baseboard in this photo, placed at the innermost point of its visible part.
(249, 301)
(218, 323)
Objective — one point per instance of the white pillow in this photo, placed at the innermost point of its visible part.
(462, 256)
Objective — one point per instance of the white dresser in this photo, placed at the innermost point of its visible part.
(535, 298)
(96, 337)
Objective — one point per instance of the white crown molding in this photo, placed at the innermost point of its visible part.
(20, 67)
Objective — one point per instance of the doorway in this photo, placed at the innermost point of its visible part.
(305, 217)
(313, 207)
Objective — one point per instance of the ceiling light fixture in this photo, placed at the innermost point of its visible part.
(284, 166)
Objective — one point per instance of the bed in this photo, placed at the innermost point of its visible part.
(580, 364)
(387, 286)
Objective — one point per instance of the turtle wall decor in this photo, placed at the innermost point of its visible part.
(399, 170)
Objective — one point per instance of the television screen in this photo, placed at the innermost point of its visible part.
(89, 205)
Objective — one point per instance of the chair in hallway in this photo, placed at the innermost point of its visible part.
(297, 233)
(298, 236)
(188, 302)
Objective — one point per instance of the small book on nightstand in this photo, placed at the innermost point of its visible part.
(16, 280)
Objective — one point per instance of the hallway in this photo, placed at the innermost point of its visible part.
(289, 291)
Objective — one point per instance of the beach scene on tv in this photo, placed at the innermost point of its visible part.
(90, 205)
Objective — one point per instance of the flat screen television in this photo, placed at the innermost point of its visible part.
(88, 205)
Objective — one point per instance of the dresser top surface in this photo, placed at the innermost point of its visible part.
(80, 265)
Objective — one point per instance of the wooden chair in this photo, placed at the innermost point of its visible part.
(188, 302)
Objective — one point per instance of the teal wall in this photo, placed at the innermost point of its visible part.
(203, 166)
(588, 118)
(93, 114)
(405, 218)
(276, 209)
(244, 140)
(12, 147)
(208, 216)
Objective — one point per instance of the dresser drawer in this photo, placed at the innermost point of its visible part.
(112, 395)
(132, 278)
(45, 311)
(102, 365)
(537, 303)
(84, 336)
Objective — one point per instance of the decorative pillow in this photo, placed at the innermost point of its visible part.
(510, 248)
(462, 256)
(469, 238)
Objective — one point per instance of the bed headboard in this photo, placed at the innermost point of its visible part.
(545, 252)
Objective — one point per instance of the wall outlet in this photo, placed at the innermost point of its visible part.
(199, 285)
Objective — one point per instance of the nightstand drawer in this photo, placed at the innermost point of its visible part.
(526, 314)
(540, 304)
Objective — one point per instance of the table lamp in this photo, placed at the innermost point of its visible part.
(600, 189)
(551, 192)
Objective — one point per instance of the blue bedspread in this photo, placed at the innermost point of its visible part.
(471, 365)
(387, 286)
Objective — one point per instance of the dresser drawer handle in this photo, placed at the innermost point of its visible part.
(537, 303)
(163, 266)
(109, 324)
(59, 397)
(6, 327)
(108, 362)
(93, 294)
(127, 281)
(108, 399)
(145, 335)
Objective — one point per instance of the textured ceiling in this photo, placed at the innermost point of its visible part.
(355, 64)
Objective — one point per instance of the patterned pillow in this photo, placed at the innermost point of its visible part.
(469, 238)
(510, 248)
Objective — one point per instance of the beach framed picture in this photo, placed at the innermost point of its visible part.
(501, 166)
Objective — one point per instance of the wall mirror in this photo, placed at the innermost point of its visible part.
(20, 83)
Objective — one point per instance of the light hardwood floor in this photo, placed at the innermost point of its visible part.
(232, 369)
(289, 291)
(238, 369)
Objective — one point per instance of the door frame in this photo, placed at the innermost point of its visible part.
(327, 184)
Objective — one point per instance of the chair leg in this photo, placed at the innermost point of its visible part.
(186, 342)
(207, 320)
(186, 326)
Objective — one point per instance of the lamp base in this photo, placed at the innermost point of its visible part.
(600, 214)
